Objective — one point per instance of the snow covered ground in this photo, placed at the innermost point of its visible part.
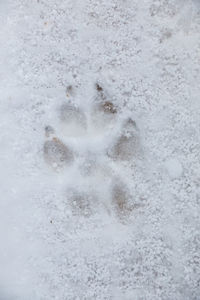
(100, 149)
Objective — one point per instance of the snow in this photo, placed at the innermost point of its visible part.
(114, 86)
(174, 168)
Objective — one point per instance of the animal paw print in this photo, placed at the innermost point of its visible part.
(114, 140)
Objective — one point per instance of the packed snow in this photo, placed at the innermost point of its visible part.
(100, 150)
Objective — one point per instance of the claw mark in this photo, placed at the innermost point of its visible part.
(105, 105)
(49, 131)
(130, 125)
(69, 91)
(99, 88)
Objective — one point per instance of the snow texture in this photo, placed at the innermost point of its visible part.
(100, 151)
(174, 168)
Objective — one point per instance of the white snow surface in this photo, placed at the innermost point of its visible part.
(174, 168)
(146, 56)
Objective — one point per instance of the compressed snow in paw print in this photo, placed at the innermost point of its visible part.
(81, 202)
(121, 199)
(126, 145)
(73, 120)
(92, 163)
(56, 153)
(88, 166)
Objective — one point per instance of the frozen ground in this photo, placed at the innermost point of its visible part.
(100, 149)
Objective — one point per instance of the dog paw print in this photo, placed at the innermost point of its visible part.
(96, 165)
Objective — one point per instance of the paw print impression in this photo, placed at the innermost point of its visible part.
(93, 144)
(56, 153)
(82, 202)
(126, 144)
(120, 198)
